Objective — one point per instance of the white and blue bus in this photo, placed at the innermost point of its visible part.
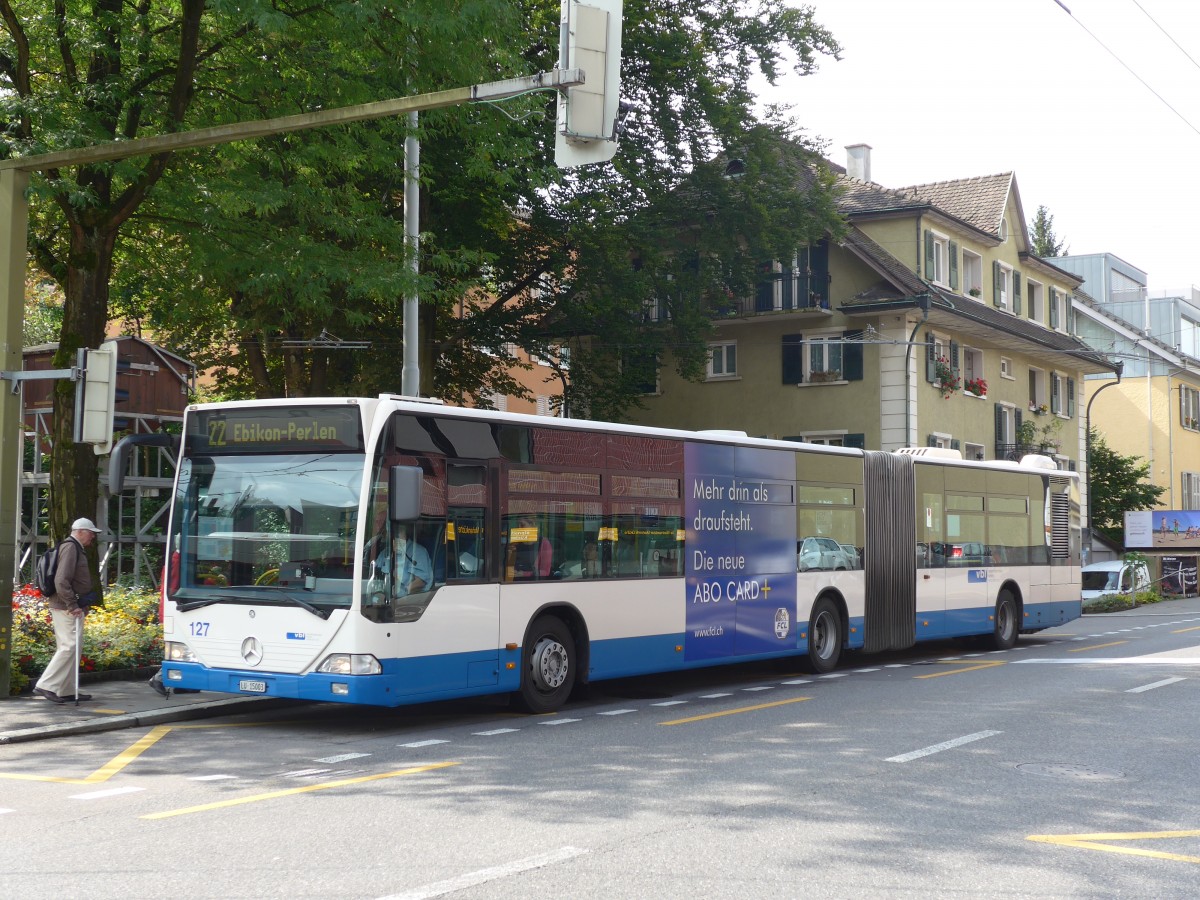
(394, 550)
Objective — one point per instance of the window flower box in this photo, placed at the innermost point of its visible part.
(945, 378)
(977, 387)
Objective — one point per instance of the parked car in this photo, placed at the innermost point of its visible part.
(968, 553)
(1114, 576)
(821, 553)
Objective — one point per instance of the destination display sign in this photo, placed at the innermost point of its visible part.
(280, 429)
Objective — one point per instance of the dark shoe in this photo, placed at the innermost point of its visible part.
(159, 688)
(75, 699)
(49, 695)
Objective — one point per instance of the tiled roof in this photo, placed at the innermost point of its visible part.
(979, 202)
(861, 197)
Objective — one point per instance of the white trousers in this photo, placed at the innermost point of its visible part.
(59, 676)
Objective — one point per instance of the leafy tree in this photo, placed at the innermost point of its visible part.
(43, 310)
(1045, 242)
(513, 251)
(1118, 485)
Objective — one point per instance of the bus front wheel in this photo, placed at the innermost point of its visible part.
(1006, 622)
(824, 636)
(547, 666)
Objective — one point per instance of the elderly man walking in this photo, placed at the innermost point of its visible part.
(72, 583)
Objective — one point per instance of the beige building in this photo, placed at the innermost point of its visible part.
(930, 324)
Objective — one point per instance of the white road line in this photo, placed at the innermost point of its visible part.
(483, 876)
(111, 792)
(793, 681)
(341, 757)
(302, 773)
(617, 712)
(560, 721)
(835, 675)
(896, 666)
(670, 703)
(496, 731)
(1156, 684)
(1120, 661)
(714, 696)
(3, 811)
(945, 745)
(210, 777)
(863, 671)
(761, 687)
(415, 744)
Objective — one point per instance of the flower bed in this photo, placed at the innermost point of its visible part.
(124, 634)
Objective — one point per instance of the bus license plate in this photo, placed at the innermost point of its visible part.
(253, 687)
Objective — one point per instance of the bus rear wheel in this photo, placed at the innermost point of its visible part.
(825, 636)
(547, 666)
(1006, 623)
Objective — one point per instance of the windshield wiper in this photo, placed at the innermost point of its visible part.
(185, 605)
(315, 610)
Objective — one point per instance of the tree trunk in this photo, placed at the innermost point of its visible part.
(74, 468)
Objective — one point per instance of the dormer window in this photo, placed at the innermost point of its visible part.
(941, 259)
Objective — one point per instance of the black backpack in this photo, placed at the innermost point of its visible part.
(47, 568)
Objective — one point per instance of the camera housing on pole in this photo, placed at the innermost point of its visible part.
(590, 40)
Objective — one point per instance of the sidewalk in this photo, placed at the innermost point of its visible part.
(115, 705)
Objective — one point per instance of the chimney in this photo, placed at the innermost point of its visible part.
(858, 161)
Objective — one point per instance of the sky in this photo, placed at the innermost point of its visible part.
(946, 89)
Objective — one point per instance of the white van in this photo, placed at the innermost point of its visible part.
(1114, 576)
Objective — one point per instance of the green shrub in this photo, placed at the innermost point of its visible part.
(1118, 602)
(124, 634)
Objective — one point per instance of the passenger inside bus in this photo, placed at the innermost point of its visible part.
(530, 553)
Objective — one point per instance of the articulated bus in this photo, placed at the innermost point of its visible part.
(395, 550)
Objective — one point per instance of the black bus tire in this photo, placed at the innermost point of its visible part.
(547, 666)
(825, 636)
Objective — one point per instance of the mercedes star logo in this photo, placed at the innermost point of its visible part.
(252, 651)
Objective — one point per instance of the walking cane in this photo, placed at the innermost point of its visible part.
(78, 653)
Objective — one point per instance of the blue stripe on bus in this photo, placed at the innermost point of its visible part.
(483, 672)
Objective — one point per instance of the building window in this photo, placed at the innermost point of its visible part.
(499, 402)
(823, 362)
(1006, 367)
(1191, 490)
(1189, 408)
(1002, 285)
(1006, 424)
(972, 273)
(1038, 402)
(722, 360)
(972, 451)
(972, 372)
(1056, 313)
(937, 258)
(1037, 300)
(1058, 391)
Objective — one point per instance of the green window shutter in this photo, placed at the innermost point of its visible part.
(997, 282)
(793, 358)
(855, 440)
(852, 356)
(1016, 292)
(929, 251)
(1071, 397)
(953, 266)
(999, 423)
(956, 444)
(1053, 308)
(954, 356)
(930, 359)
(1070, 315)
(931, 440)
(1055, 400)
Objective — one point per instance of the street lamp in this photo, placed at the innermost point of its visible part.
(1119, 365)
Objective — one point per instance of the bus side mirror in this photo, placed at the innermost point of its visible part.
(119, 460)
(404, 493)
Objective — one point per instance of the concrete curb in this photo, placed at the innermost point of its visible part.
(204, 710)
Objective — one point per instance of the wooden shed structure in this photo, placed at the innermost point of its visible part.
(154, 386)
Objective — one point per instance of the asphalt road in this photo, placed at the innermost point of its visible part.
(1063, 768)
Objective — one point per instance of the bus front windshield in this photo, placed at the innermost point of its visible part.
(266, 529)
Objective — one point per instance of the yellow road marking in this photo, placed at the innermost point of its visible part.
(1097, 646)
(109, 769)
(109, 712)
(1096, 842)
(300, 790)
(121, 760)
(1182, 630)
(734, 712)
(965, 668)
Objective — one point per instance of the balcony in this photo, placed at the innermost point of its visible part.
(1014, 452)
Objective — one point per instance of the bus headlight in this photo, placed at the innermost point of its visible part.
(177, 651)
(350, 664)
